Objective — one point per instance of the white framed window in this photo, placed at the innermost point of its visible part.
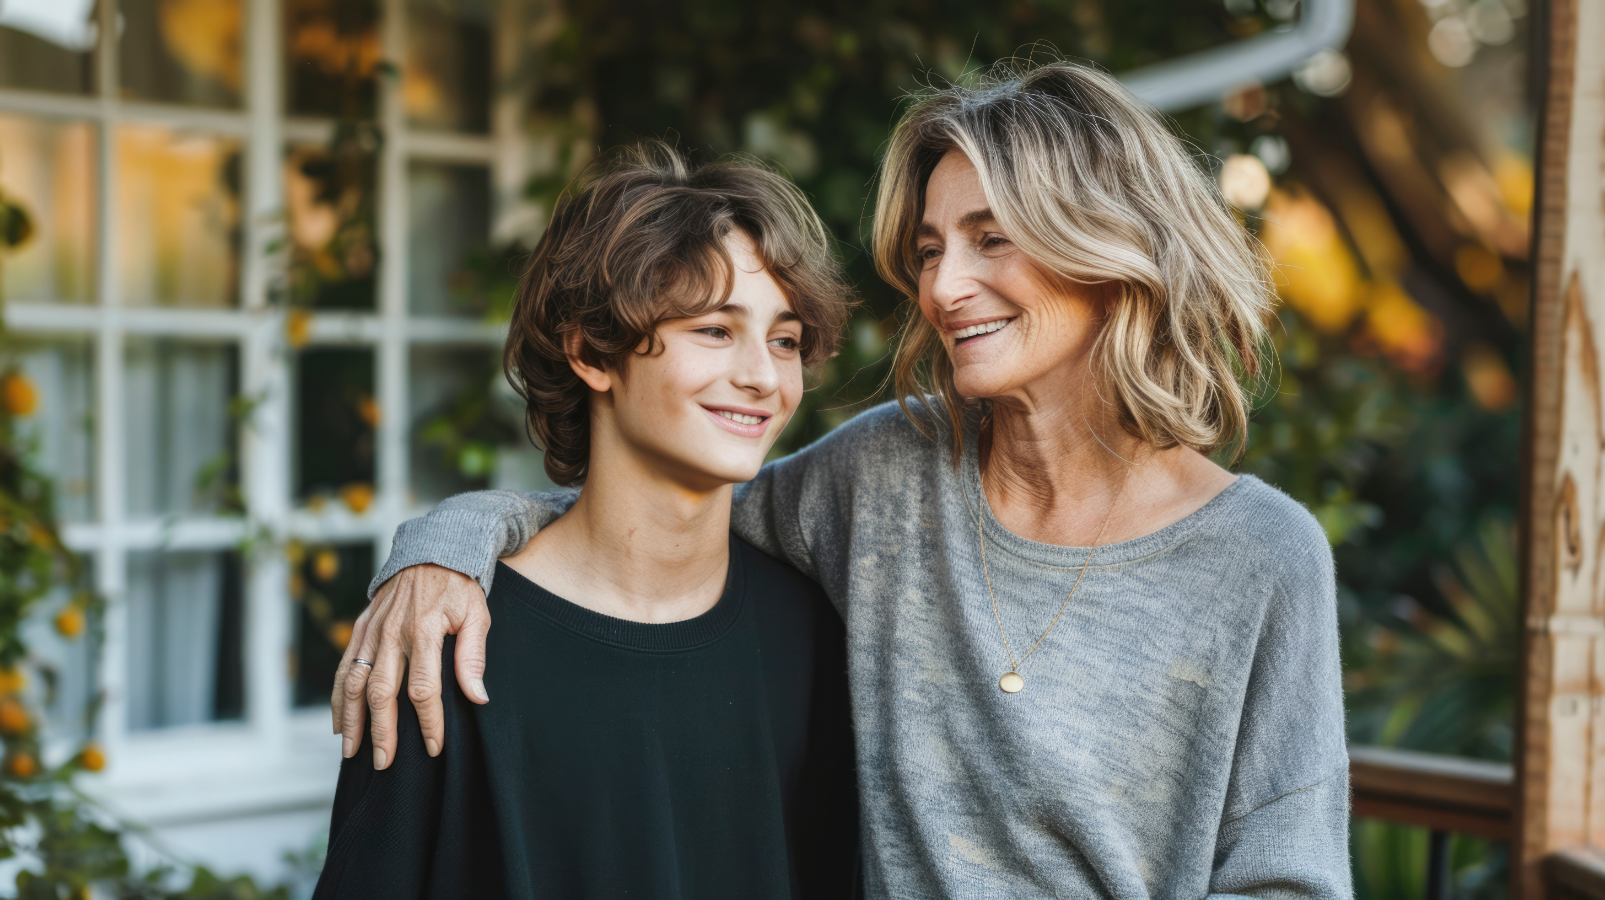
(204, 412)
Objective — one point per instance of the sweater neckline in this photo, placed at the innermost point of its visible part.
(1061, 556)
(646, 637)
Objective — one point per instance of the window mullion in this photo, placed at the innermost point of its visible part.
(109, 462)
(392, 356)
(265, 443)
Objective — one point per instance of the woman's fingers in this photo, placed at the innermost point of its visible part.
(384, 684)
(337, 701)
(470, 657)
(354, 692)
(423, 685)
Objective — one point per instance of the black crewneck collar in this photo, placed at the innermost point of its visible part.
(667, 637)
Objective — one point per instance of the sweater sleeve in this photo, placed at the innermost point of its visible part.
(1284, 831)
(1296, 846)
(469, 532)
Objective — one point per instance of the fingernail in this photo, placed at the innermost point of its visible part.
(431, 746)
(378, 758)
(478, 689)
(348, 747)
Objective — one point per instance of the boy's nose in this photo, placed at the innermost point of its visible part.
(758, 373)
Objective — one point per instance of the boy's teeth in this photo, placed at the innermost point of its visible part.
(740, 419)
(986, 328)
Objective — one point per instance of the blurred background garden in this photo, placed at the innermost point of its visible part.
(255, 257)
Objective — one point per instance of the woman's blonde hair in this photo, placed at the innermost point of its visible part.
(1086, 179)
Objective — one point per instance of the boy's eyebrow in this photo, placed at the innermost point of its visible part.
(737, 309)
(967, 221)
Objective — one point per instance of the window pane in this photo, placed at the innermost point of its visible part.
(330, 586)
(67, 667)
(178, 218)
(467, 426)
(335, 425)
(180, 446)
(333, 254)
(60, 433)
(45, 45)
(333, 57)
(181, 51)
(447, 81)
(185, 626)
(450, 211)
(47, 170)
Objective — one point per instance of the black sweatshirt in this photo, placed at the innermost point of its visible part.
(696, 760)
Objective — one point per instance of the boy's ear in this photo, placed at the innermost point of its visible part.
(597, 379)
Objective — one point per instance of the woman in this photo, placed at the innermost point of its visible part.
(1084, 659)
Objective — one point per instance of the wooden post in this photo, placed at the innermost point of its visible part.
(1561, 754)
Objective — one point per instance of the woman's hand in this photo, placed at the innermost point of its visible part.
(409, 619)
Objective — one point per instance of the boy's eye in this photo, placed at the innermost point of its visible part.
(785, 343)
(717, 331)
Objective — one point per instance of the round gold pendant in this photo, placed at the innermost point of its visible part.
(1011, 682)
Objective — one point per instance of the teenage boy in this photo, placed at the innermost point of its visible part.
(671, 704)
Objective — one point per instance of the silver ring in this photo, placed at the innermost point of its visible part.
(363, 662)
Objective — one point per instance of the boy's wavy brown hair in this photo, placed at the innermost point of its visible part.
(636, 240)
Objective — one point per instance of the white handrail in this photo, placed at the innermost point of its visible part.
(1207, 75)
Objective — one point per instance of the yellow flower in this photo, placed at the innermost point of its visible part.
(368, 409)
(92, 758)
(295, 551)
(21, 397)
(326, 565)
(70, 621)
(358, 496)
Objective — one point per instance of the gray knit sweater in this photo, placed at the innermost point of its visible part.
(1180, 733)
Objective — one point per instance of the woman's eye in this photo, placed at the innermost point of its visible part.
(994, 241)
(926, 254)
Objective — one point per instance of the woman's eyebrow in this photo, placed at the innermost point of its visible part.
(976, 217)
(967, 221)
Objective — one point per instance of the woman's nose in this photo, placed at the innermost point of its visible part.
(953, 280)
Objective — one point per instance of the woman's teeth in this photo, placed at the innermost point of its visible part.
(740, 419)
(985, 328)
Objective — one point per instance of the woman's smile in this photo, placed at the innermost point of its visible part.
(971, 331)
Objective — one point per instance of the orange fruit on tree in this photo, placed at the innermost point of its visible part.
(22, 765)
(12, 681)
(19, 394)
(358, 496)
(340, 634)
(92, 758)
(326, 565)
(14, 718)
(70, 621)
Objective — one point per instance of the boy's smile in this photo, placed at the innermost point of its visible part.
(745, 422)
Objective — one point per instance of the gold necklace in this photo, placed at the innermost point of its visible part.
(1012, 682)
